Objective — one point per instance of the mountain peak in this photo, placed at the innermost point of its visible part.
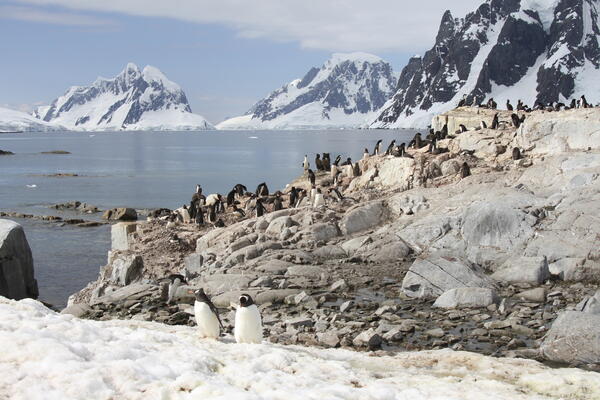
(360, 57)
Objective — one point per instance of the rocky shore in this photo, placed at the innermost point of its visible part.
(504, 262)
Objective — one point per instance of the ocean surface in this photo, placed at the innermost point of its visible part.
(144, 170)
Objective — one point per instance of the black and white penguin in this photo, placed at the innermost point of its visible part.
(376, 149)
(583, 102)
(483, 125)
(260, 208)
(520, 105)
(231, 198)
(240, 189)
(262, 190)
(211, 214)
(509, 106)
(219, 223)
(337, 160)
(248, 323)
(463, 101)
(573, 104)
(462, 128)
(293, 197)
(516, 121)
(390, 147)
(207, 316)
(326, 162)
(306, 164)
(356, 169)
(175, 280)
(465, 170)
(335, 193)
(277, 202)
(366, 154)
(238, 211)
(347, 162)
(495, 122)
(311, 177)
(301, 196)
(318, 163)
(516, 154)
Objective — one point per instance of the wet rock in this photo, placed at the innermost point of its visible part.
(574, 338)
(466, 297)
(17, 279)
(430, 277)
(532, 270)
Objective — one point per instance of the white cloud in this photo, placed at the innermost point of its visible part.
(333, 25)
(50, 17)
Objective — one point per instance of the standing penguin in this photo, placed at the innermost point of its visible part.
(277, 202)
(248, 323)
(516, 154)
(390, 147)
(377, 149)
(318, 163)
(306, 164)
(509, 106)
(366, 154)
(175, 280)
(207, 316)
(293, 197)
(465, 170)
(260, 208)
(515, 120)
(311, 177)
(326, 161)
(495, 122)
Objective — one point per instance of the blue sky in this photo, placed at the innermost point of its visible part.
(226, 56)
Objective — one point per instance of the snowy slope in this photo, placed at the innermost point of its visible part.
(133, 100)
(345, 92)
(533, 50)
(52, 356)
(17, 121)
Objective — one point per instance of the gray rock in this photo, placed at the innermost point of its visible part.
(590, 304)
(275, 267)
(466, 297)
(345, 306)
(134, 291)
(261, 224)
(330, 252)
(125, 268)
(329, 339)
(309, 271)
(436, 332)
(323, 232)
(363, 218)
(338, 285)
(275, 295)
(243, 242)
(119, 235)
(278, 224)
(532, 270)
(219, 283)
(450, 167)
(121, 214)
(440, 272)
(299, 321)
(193, 265)
(368, 338)
(537, 295)
(77, 309)
(574, 338)
(352, 245)
(16, 263)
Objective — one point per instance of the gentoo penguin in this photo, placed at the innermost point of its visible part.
(175, 280)
(520, 105)
(301, 196)
(293, 197)
(260, 208)
(335, 193)
(211, 214)
(277, 202)
(509, 106)
(377, 150)
(207, 316)
(356, 169)
(262, 190)
(462, 128)
(326, 161)
(366, 154)
(240, 189)
(237, 210)
(515, 120)
(337, 160)
(583, 102)
(465, 170)
(306, 164)
(318, 163)
(231, 198)
(516, 154)
(390, 147)
(463, 101)
(483, 125)
(495, 122)
(311, 177)
(319, 199)
(573, 103)
(248, 324)
(347, 162)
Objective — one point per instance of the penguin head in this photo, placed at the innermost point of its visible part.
(200, 295)
(246, 300)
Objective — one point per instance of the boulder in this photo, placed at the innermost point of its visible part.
(77, 310)
(363, 217)
(368, 338)
(432, 276)
(193, 265)
(16, 263)
(536, 295)
(309, 271)
(466, 297)
(278, 225)
(323, 232)
(532, 270)
(220, 283)
(131, 292)
(120, 214)
(119, 235)
(574, 338)
(125, 268)
(590, 304)
(330, 252)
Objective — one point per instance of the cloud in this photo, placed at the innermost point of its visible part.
(50, 17)
(333, 25)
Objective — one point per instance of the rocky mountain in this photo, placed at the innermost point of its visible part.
(17, 121)
(133, 100)
(535, 50)
(345, 92)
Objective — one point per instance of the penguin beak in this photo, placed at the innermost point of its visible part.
(190, 291)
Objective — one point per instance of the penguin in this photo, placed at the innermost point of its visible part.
(520, 106)
(516, 154)
(337, 160)
(231, 197)
(335, 193)
(277, 202)
(211, 214)
(262, 190)
(219, 223)
(260, 208)
(237, 210)
(583, 102)
(248, 323)
(573, 104)
(347, 162)
(462, 128)
(444, 131)
(301, 197)
(326, 161)
(463, 101)
(311, 177)
(495, 122)
(509, 106)
(465, 170)
(366, 154)
(293, 197)
(318, 163)
(356, 169)
(390, 147)
(483, 125)
(207, 316)
(319, 199)
(306, 164)
(515, 120)
(199, 216)
(376, 150)
(417, 142)
(175, 280)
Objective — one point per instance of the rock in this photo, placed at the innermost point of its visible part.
(278, 224)
(436, 333)
(119, 235)
(537, 295)
(330, 252)
(275, 267)
(275, 295)
(219, 283)
(568, 268)
(125, 268)
(574, 338)
(345, 306)
(368, 338)
(450, 167)
(6, 153)
(120, 214)
(77, 310)
(362, 218)
(299, 321)
(193, 265)
(308, 271)
(224, 300)
(329, 339)
(532, 270)
(323, 232)
(261, 224)
(466, 297)
(338, 285)
(387, 250)
(134, 291)
(590, 304)
(430, 277)
(352, 245)
(16, 263)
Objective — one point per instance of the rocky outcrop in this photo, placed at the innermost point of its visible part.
(120, 214)
(17, 279)
(574, 338)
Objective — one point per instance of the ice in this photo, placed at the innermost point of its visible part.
(46, 355)
(12, 120)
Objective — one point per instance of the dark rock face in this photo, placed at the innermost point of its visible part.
(330, 85)
(498, 44)
(16, 263)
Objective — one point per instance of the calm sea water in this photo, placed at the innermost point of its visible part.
(144, 170)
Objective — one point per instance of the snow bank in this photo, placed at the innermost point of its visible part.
(46, 355)
(12, 120)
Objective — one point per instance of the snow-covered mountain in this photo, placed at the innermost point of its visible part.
(133, 100)
(535, 50)
(17, 121)
(345, 92)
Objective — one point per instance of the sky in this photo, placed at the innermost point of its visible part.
(225, 54)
